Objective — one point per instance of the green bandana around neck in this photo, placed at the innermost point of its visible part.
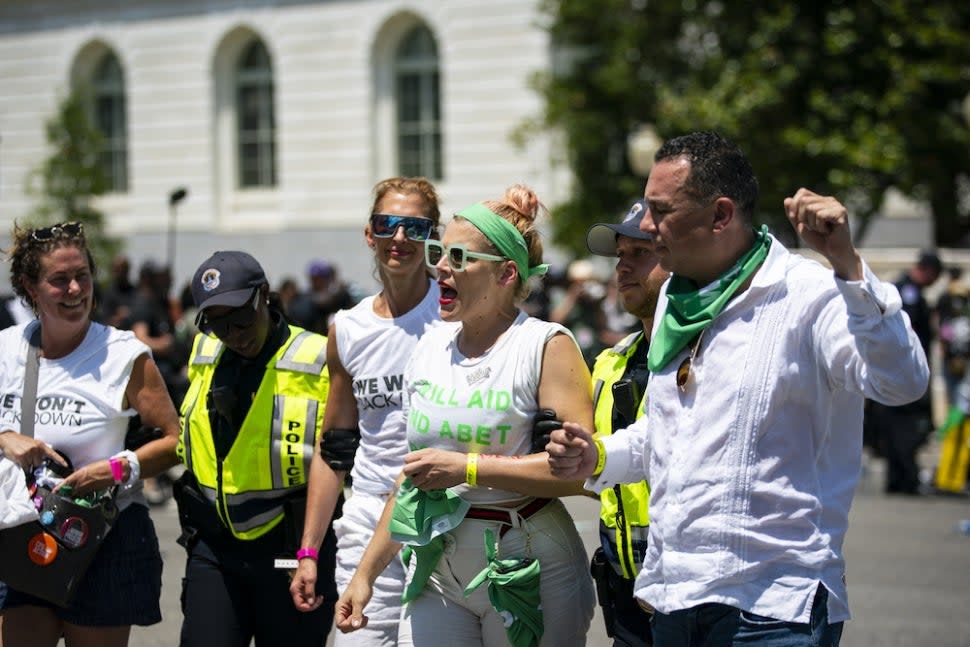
(506, 238)
(691, 310)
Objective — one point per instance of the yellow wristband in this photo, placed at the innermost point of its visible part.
(471, 470)
(600, 457)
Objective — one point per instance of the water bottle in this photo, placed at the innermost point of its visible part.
(964, 526)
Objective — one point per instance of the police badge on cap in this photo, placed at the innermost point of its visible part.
(226, 279)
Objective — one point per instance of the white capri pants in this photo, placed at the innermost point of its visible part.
(354, 530)
(442, 616)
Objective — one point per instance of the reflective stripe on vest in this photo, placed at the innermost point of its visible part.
(293, 449)
(207, 350)
(627, 520)
(249, 510)
(296, 356)
(271, 454)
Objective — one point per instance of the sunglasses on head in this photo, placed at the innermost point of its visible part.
(64, 229)
(384, 225)
(685, 369)
(242, 317)
(456, 254)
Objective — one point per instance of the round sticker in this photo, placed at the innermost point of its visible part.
(74, 532)
(42, 549)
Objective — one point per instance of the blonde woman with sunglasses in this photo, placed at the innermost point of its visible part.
(472, 394)
(91, 380)
(368, 348)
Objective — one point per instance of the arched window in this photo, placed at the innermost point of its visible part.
(418, 99)
(108, 95)
(255, 120)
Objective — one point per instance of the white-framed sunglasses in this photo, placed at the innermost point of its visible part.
(456, 254)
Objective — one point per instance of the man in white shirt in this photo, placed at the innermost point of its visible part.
(752, 442)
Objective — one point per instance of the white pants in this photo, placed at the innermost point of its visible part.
(354, 531)
(443, 616)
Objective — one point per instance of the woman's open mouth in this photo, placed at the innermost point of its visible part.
(448, 294)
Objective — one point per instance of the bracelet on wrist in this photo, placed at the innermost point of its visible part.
(471, 470)
(307, 552)
(600, 457)
(134, 466)
(117, 470)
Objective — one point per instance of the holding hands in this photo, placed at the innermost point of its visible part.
(823, 223)
(572, 452)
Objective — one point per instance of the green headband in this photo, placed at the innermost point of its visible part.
(506, 238)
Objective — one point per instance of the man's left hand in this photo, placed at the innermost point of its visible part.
(823, 223)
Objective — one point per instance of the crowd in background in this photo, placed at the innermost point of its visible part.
(579, 296)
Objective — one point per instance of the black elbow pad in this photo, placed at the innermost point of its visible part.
(338, 447)
(545, 422)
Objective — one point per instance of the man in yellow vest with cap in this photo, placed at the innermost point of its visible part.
(619, 388)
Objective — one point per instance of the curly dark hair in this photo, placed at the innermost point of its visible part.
(28, 249)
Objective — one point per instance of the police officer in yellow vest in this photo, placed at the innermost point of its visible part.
(619, 388)
(250, 424)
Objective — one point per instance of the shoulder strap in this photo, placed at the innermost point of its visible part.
(28, 400)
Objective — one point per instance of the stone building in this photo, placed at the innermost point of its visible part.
(277, 116)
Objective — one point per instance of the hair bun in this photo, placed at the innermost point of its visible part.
(524, 200)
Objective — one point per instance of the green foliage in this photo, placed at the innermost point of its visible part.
(844, 97)
(71, 177)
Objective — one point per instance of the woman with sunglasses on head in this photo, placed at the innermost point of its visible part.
(251, 421)
(91, 380)
(472, 395)
(368, 348)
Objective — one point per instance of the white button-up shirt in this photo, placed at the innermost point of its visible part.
(753, 466)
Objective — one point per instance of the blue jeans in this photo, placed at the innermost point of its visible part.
(719, 625)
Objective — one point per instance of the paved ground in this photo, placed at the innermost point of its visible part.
(908, 571)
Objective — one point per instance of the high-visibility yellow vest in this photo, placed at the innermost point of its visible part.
(270, 457)
(623, 508)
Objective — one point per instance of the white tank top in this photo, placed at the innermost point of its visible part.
(375, 350)
(484, 405)
(80, 397)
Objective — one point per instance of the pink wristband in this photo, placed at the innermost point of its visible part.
(117, 470)
(307, 552)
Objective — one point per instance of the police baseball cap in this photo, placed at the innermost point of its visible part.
(226, 279)
(601, 237)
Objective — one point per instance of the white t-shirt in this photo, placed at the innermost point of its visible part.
(80, 397)
(374, 351)
(486, 404)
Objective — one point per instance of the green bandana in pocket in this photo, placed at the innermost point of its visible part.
(419, 520)
(691, 310)
(513, 589)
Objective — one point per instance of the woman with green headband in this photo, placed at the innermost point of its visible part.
(489, 502)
